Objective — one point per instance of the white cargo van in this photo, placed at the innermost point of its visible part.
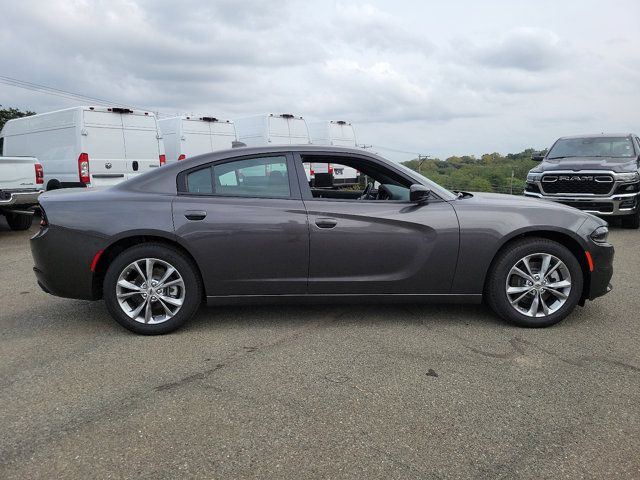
(338, 133)
(273, 129)
(87, 146)
(186, 137)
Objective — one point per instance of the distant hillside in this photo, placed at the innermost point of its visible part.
(490, 173)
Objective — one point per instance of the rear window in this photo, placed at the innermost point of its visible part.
(255, 177)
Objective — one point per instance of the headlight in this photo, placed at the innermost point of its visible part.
(628, 177)
(600, 234)
(533, 177)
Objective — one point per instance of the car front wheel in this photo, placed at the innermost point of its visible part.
(535, 282)
(152, 289)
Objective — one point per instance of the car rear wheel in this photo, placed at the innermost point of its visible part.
(152, 289)
(535, 282)
(18, 221)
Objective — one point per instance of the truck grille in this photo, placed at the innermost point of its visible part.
(577, 183)
(591, 206)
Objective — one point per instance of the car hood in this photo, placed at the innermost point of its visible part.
(518, 202)
(619, 165)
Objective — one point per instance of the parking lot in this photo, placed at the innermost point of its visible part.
(324, 391)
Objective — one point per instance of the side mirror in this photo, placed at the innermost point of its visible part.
(537, 156)
(419, 193)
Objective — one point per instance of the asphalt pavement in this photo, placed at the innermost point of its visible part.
(363, 391)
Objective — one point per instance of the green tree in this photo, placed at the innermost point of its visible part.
(7, 114)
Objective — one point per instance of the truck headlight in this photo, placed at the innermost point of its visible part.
(628, 177)
(533, 177)
(600, 234)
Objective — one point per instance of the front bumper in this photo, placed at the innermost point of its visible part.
(10, 198)
(600, 278)
(615, 205)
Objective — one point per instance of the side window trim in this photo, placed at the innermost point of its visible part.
(306, 189)
(294, 187)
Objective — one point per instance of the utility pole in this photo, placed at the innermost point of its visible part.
(421, 159)
(512, 175)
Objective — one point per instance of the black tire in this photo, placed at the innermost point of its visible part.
(185, 267)
(53, 185)
(631, 221)
(19, 222)
(496, 294)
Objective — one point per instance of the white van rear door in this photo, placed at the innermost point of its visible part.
(104, 144)
(223, 135)
(196, 138)
(279, 131)
(298, 132)
(141, 143)
(342, 135)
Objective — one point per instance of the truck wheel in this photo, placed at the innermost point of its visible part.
(19, 222)
(53, 185)
(631, 221)
(152, 289)
(534, 282)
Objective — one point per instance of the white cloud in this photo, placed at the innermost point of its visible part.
(411, 76)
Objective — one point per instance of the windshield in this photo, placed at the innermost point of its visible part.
(441, 191)
(617, 147)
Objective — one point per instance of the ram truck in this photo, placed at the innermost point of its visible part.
(599, 174)
(21, 182)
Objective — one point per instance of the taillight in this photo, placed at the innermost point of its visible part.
(181, 157)
(39, 174)
(43, 217)
(83, 168)
(163, 159)
(329, 169)
(311, 172)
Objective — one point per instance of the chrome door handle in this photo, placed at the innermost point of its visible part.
(195, 214)
(326, 223)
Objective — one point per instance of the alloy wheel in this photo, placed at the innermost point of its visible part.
(538, 285)
(150, 291)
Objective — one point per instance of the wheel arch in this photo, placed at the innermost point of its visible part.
(120, 245)
(564, 238)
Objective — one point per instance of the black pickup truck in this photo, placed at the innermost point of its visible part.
(599, 174)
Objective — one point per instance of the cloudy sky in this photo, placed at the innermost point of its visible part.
(431, 77)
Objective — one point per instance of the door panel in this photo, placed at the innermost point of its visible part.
(246, 246)
(381, 247)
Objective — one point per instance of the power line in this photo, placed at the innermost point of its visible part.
(388, 149)
(35, 87)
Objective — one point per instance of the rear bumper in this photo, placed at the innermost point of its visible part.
(62, 263)
(615, 205)
(10, 198)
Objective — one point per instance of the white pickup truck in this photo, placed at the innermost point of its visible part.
(21, 181)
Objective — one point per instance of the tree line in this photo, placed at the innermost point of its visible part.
(491, 172)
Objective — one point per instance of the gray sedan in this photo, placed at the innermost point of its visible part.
(248, 225)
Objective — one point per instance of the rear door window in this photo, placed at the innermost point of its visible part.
(199, 181)
(254, 177)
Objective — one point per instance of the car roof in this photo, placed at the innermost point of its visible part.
(596, 135)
